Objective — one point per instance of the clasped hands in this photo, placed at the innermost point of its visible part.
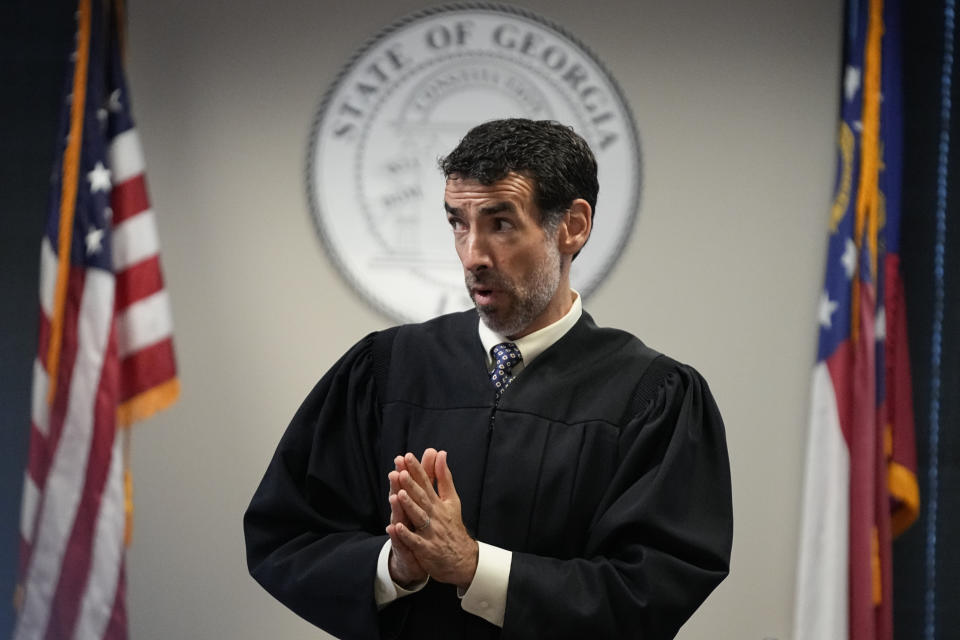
(426, 530)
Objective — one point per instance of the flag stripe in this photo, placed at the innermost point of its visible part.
(39, 409)
(862, 439)
(99, 599)
(117, 625)
(43, 342)
(62, 492)
(28, 507)
(144, 323)
(135, 239)
(129, 198)
(126, 156)
(139, 282)
(147, 368)
(38, 461)
(68, 358)
(48, 279)
(76, 577)
(904, 489)
(821, 608)
(25, 553)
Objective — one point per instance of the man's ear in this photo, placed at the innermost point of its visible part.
(575, 227)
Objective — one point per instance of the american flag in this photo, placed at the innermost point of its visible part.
(105, 355)
(860, 486)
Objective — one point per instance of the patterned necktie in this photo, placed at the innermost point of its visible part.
(505, 356)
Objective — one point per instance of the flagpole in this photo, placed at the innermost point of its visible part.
(68, 196)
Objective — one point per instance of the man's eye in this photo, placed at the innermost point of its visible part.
(455, 224)
(502, 224)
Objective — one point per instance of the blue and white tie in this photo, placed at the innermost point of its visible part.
(505, 356)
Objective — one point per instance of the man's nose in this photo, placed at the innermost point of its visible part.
(475, 252)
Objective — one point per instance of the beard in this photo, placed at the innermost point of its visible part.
(526, 299)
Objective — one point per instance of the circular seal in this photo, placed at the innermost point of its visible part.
(406, 98)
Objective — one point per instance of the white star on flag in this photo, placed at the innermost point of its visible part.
(114, 102)
(849, 258)
(94, 240)
(99, 178)
(851, 82)
(827, 307)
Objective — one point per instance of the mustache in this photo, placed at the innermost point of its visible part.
(486, 278)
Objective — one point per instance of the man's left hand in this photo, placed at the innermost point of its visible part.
(440, 541)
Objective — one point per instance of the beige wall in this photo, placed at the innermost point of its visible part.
(735, 102)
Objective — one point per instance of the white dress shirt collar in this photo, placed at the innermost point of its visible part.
(532, 345)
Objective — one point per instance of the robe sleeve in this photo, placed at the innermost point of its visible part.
(659, 541)
(314, 528)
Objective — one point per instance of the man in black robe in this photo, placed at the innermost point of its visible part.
(592, 489)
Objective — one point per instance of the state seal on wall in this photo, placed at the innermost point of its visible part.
(406, 98)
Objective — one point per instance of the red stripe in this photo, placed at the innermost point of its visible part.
(145, 369)
(78, 556)
(117, 627)
(899, 391)
(129, 198)
(853, 372)
(38, 457)
(840, 365)
(25, 550)
(138, 282)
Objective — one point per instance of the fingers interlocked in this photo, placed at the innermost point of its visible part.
(416, 494)
(426, 524)
(405, 568)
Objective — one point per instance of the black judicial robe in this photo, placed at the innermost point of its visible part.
(603, 468)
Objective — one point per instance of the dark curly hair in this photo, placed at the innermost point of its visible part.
(556, 159)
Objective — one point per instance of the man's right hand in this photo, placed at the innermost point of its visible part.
(405, 570)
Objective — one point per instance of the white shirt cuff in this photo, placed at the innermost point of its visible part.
(385, 590)
(487, 595)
